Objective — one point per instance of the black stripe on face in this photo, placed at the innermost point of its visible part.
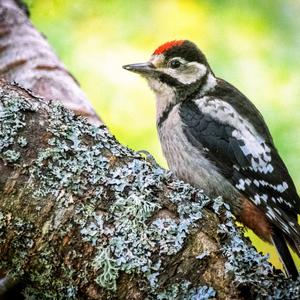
(189, 91)
(170, 81)
(192, 90)
(174, 82)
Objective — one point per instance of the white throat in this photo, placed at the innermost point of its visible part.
(165, 96)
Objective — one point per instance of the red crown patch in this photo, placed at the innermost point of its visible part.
(166, 46)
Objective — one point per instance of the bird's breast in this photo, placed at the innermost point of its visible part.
(187, 162)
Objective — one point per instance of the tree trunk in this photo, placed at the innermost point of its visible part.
(27, 59)
(83, 217)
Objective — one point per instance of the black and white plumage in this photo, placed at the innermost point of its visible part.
(213, 137)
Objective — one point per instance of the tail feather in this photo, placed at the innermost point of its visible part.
(284, 253)
(295, 246)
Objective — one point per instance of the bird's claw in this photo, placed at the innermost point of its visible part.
(149, 158)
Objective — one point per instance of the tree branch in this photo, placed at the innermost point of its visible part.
(84, 217)
(26, 58)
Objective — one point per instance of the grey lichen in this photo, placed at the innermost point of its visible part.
(108, 197)
(184, 290)
(133, 240)
(11, 155)
(251, 270)
(107, 265)
(12, 119)
(125, 239)
(22, 141)
(202, 255)
(12, 116)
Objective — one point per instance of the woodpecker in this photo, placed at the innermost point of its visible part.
(213, 137)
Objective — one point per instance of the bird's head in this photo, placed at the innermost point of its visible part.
(179, 65)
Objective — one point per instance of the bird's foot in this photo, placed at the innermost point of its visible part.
(149, 158)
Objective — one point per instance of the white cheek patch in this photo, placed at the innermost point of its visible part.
(193, 71)
(210, 84)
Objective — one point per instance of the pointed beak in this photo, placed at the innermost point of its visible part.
(141, 68)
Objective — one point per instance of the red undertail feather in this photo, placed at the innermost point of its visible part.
(166, 46)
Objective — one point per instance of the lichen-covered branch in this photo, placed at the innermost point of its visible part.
(82, 217)
(27, 58)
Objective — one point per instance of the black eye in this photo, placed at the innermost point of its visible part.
(174, 64)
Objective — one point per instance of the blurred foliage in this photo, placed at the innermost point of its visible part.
(253, 44)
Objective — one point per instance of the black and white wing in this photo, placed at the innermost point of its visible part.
(238, 142)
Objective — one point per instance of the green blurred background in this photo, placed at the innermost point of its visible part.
(253, 44)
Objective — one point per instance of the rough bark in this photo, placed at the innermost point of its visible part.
(82, 217)
(27, 59)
